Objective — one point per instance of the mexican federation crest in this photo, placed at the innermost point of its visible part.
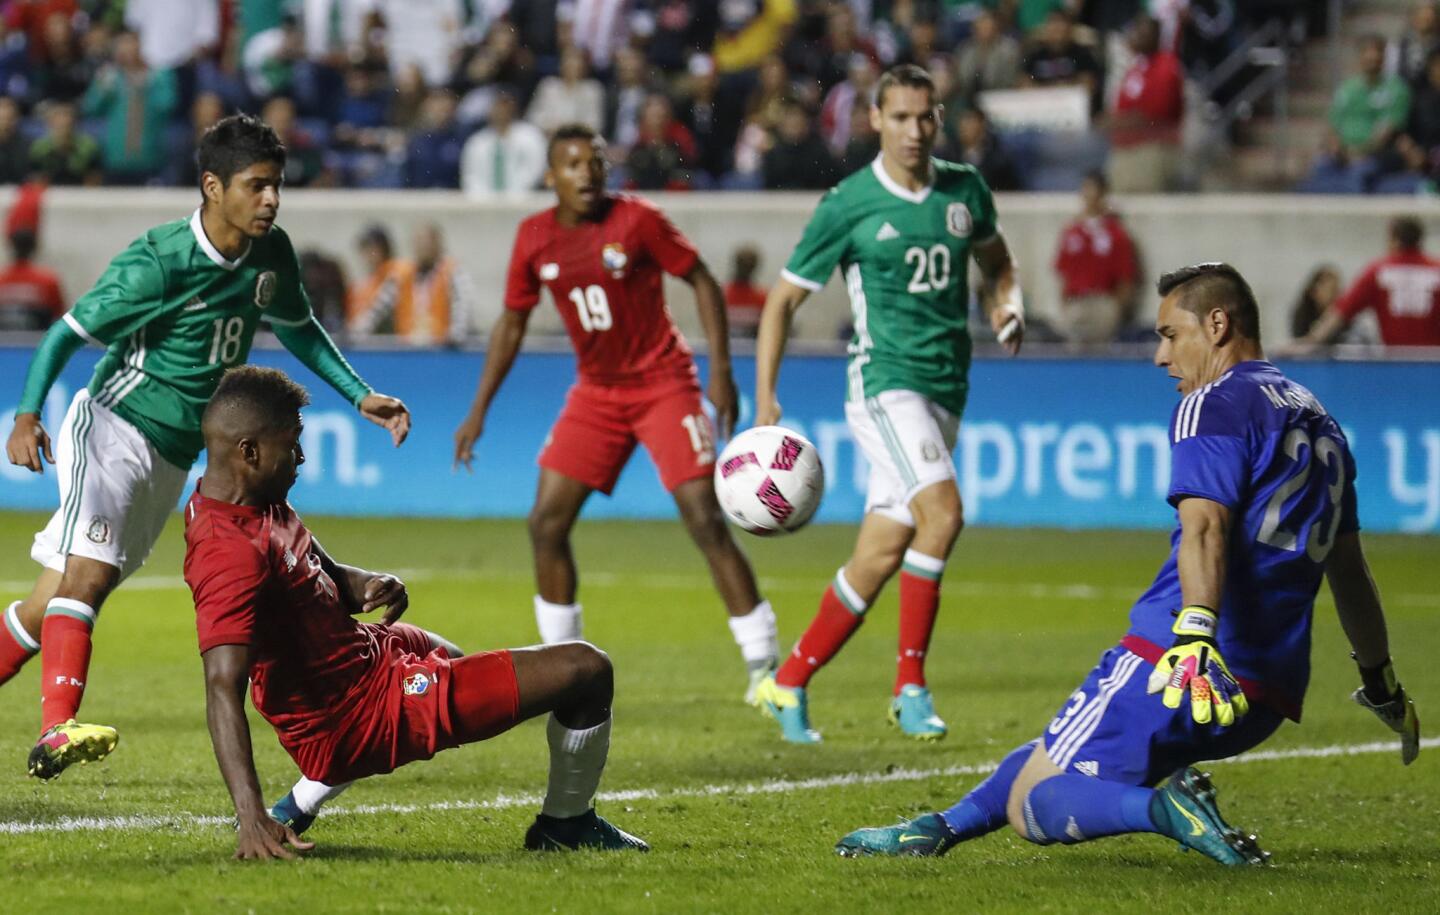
(265, 288)
(958, 221)
(613, 258)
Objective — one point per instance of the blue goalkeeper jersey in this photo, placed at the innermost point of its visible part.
(1264, 447)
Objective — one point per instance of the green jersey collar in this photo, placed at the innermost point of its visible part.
(203, 240)
(890, 184)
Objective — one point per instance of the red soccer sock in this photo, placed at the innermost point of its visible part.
(919, 605)
(16, 645)
(64, 660)
(832, 627)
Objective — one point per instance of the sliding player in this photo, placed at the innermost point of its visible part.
(1263, 484)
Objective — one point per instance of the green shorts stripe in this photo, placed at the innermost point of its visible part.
(79, 438)
(892, 441)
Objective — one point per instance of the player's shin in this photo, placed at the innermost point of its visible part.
(982, 811)
(16, 644)
(1074, 808)
(577, 759)
(841, 612)
(919, 604)
(557, 622)
(758, 636)
(65, 659)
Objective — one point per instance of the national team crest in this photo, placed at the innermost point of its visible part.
(613, 258)
(98, 531)
(265, 285)
(958, 221)
(417, 684)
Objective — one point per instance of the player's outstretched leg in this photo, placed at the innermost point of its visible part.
(979, 813)
(558, 500)
(752, 621)
(18, 644)
(575, 683)
(65, 664)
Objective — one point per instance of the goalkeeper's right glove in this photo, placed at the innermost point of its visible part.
(1382, 694)
(1193, 664)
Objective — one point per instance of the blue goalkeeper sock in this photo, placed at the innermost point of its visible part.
(982, 811)
(1074, 808)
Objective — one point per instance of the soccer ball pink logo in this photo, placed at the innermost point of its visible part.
(769, 480)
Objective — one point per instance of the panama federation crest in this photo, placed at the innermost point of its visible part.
(958, 221)
(417, 684)
(265, 288)
(613, 258)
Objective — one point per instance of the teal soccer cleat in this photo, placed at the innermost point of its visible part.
(926, 836)
(288, 813)
(1184, 809)
(913, 712)
(588, 830)
(788, 706)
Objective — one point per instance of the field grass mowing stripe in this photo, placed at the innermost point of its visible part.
(184, 822)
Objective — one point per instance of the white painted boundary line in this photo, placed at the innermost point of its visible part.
(187, 822)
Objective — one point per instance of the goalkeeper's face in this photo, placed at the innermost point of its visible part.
(1188, 348)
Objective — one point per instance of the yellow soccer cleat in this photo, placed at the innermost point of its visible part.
(66, 744)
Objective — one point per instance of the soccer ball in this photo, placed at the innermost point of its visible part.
(769, 480)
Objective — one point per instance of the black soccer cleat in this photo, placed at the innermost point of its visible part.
(588, 830)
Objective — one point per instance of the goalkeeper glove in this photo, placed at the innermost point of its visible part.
(1382, 694)
(1193, 663)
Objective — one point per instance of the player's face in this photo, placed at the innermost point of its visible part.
(907, 123)
(577, 173)
(251, 200)
(279, 457)
(1187, 351)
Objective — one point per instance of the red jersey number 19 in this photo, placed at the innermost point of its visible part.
(593, 306)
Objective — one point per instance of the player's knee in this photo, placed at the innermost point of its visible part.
(592, 669)
(547, 529)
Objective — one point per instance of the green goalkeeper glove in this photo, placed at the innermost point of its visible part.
(1193, 664)
(1382, 694)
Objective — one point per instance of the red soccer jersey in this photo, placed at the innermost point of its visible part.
(1095, 256)
(30, 297)
(605, 277)
(1153, 89)
(257, 581)
(1402, 289)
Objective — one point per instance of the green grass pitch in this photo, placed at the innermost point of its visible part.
(1025, 615)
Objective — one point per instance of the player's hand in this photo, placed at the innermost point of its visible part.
(1383, 695)
(261, 838)
(390, 412)
(385, 591)
(726, 400)
(28, 443)
(1193, 664)
(465, 438)
(767, 411)
(1009, 327)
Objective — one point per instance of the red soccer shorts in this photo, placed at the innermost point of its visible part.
(599, 427)
(416, 707)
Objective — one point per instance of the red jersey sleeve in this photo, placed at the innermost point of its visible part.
(225, 577)
(1363, 293)
(666, 244)
(522, 285)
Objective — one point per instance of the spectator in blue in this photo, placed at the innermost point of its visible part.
(433, 157)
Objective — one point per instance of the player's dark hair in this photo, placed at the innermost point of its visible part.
(904, 75)
(233, 144)
(567, 132)
(1408, 232)
(267, 396)
(1205, 287)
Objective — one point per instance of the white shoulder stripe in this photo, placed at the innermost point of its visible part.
(69, 319)
(796, 280)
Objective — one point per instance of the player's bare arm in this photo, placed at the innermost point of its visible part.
(711, 304)
(363, 591)
(28, 443)
(1000, 292)
(227, 671)
(780, 306)
(1204, 547)
(1357, 602)
(505, 339)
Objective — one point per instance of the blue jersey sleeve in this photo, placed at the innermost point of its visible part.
(1210, 450)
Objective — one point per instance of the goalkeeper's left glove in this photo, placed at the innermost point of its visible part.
(1193, 663)
(1382, 694)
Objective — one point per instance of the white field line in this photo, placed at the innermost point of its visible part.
(186, 822)
(979, 589)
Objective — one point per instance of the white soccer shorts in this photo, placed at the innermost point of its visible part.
(116, 491)
(908, 440)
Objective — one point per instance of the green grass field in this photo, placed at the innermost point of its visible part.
(1026, 613)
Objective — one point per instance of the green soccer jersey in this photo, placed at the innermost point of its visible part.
(173, 314)
(905, 259)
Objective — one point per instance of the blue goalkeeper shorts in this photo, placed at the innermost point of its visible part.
(1112, 729)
